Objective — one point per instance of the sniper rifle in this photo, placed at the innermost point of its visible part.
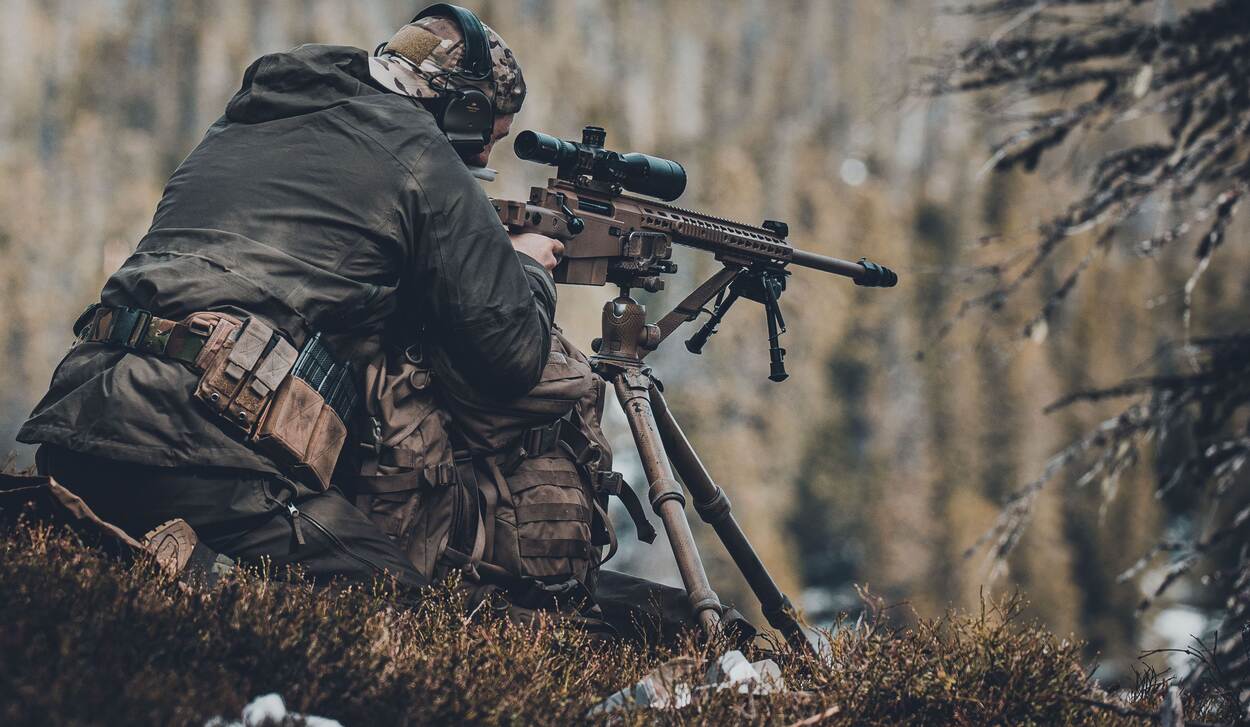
(613, 237)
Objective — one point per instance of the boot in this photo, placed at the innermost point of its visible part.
(179, 552)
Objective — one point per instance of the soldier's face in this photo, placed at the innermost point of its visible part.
(503, 124)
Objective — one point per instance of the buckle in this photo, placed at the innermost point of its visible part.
(372, 441)
(540, 440)
(534, 442)
(609, 482)
(531, 442)
(200, 327)
(140, 329)
(441, 475)
(124, 324)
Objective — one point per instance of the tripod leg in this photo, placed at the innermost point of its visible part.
(667, 499)
(713, 506)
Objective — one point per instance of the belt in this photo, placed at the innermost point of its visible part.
(136, 329)
(139, 330)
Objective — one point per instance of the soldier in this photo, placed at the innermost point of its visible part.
(332, 206)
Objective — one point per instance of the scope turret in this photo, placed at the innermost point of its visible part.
(639, 173)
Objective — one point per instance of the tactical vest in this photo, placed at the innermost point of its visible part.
(513, 494)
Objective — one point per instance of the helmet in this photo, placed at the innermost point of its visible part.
(459, 65)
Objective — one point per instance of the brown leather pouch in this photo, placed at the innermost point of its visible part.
(215, 388)
(288, 426)
(267, 372)
(247, 379)
(328, 436)
(302, 431)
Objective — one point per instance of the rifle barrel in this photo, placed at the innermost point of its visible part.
(827, 264)
(864, 273)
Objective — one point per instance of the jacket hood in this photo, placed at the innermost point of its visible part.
(304, 80)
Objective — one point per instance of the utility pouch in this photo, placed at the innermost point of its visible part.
(546, 531)
(215, 389)
(301, 431)
(301, 427)
(242, 366)
(328, 436)
(248, 376)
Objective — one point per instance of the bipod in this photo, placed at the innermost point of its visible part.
(764, 286)
(627, 339)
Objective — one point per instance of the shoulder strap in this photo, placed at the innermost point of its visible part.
(607, 525)
(606, 482)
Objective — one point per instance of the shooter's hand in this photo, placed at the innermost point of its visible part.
(546, 250)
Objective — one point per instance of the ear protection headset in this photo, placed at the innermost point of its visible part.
(464, 112)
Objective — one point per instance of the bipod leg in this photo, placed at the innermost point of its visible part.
(776, 327)
(713, 506)
(696, 342)
(667, 498)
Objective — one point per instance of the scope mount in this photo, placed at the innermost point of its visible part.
(580, 168)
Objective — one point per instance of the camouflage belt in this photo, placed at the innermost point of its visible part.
(138, 330)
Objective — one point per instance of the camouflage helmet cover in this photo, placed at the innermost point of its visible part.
(423, 58)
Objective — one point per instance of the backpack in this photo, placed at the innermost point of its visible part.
(406, 480)
(513, 493)
(544, 518)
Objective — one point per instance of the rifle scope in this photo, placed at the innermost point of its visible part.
(639, 173)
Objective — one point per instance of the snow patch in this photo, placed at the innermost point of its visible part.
(268, 710)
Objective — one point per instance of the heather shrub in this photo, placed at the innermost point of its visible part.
(86, 638)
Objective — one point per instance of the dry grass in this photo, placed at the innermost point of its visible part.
(88, 639)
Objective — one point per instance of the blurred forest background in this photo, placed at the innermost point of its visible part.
(888, 451)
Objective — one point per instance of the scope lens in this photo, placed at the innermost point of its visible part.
(538, 147)
(527, 145)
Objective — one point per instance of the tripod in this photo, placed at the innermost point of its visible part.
(664, 449)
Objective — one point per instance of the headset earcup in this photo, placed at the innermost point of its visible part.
(467, 118)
